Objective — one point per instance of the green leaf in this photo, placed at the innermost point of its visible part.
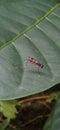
(8, 108)
(28, 28)
(4, 124)
(53, 123)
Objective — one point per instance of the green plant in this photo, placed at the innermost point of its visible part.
(28, 28)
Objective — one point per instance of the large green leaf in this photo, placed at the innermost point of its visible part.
(28, 28)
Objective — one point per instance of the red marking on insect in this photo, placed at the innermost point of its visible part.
(34, 61)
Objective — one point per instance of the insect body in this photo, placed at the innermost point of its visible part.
(34, 61)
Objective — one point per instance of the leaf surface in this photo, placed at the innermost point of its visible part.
(4, 124)
(28, 28)
(53, 123)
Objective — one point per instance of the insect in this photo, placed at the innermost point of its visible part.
(34, 61)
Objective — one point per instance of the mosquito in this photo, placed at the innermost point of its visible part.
(34, 61)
